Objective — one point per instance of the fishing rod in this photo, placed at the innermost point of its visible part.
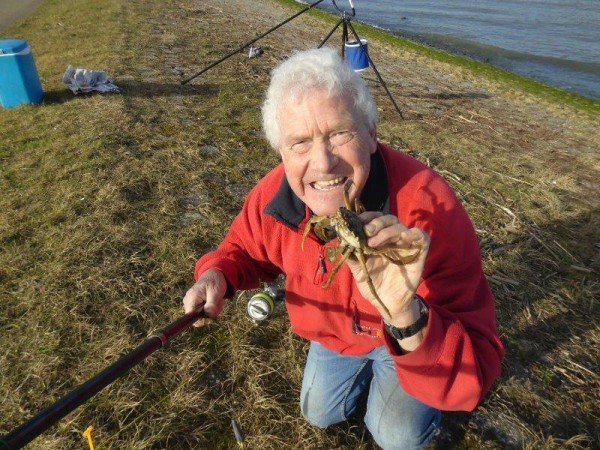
(247, 44)
(24, 434)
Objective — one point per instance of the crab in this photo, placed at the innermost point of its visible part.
(348, 227)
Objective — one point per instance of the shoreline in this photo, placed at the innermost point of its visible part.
(466, 60)
(458, 47)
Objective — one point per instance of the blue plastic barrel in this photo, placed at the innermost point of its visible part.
(356, 56)
(19, 81)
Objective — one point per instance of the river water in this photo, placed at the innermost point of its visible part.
(554, 41)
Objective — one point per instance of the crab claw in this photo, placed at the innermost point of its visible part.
(318, 221)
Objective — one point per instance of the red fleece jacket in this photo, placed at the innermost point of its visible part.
(460, 356)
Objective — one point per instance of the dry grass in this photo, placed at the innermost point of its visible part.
(108, 200)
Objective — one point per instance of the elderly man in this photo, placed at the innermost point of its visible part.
(438, 347)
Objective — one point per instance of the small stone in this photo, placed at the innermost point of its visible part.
(190, 218)
(193, 199)
(213, 378)
(214, 178)
(208, 151)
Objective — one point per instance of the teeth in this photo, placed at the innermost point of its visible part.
(330, 183)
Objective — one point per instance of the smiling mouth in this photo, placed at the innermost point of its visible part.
(328, 185)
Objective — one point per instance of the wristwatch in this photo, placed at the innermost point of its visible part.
(411, 330)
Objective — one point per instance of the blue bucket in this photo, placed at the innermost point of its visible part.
(19, 81)
(356, 56)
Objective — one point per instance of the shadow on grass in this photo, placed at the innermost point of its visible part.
(141, 89)
(148, 90)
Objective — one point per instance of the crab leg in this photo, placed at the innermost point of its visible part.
(363, 264)
(402, 260)
(342, 260)
(358, 206)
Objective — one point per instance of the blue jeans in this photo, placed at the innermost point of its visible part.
(332, 384)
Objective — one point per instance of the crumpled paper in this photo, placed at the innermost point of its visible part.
(82, 81)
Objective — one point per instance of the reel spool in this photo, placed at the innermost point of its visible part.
(262, 305)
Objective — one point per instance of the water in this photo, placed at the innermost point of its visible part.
(554, 41)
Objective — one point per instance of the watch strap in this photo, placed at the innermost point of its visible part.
(411, 330)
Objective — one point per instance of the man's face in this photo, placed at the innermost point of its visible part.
(318, 172)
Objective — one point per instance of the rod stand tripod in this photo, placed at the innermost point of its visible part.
(345, 22)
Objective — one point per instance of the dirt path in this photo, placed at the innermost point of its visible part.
(13, 10)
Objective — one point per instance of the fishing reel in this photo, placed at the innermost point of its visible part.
(262, 305)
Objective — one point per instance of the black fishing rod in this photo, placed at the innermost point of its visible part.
(24, 434)
(247, 44)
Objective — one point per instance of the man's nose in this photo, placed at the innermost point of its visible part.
(323, 157)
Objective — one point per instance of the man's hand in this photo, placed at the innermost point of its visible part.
(208, 291)
(395, 285)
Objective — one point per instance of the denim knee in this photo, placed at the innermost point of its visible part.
(320, 421)
(331, 385)
(316, 415)
(406, 436)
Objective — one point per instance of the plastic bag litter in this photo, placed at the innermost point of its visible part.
(255, 51)
(82, 81)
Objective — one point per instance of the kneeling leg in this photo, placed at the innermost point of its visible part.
(331, 385)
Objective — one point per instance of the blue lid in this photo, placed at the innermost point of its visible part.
(8, 46)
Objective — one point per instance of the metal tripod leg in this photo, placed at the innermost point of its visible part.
(330, 33)
(375, 68)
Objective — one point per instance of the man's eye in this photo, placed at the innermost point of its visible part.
(301, 146)
(341, 137)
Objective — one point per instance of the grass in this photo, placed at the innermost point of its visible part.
(109, 199)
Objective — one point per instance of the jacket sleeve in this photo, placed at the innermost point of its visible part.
(461, 353)
(243, 256)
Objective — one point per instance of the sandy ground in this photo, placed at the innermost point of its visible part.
(13, 10)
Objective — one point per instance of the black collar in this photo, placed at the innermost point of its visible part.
(286, 207)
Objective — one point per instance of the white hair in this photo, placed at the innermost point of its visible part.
(314, 69)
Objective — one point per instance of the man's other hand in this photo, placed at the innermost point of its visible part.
(209, 291)
(395, 285)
